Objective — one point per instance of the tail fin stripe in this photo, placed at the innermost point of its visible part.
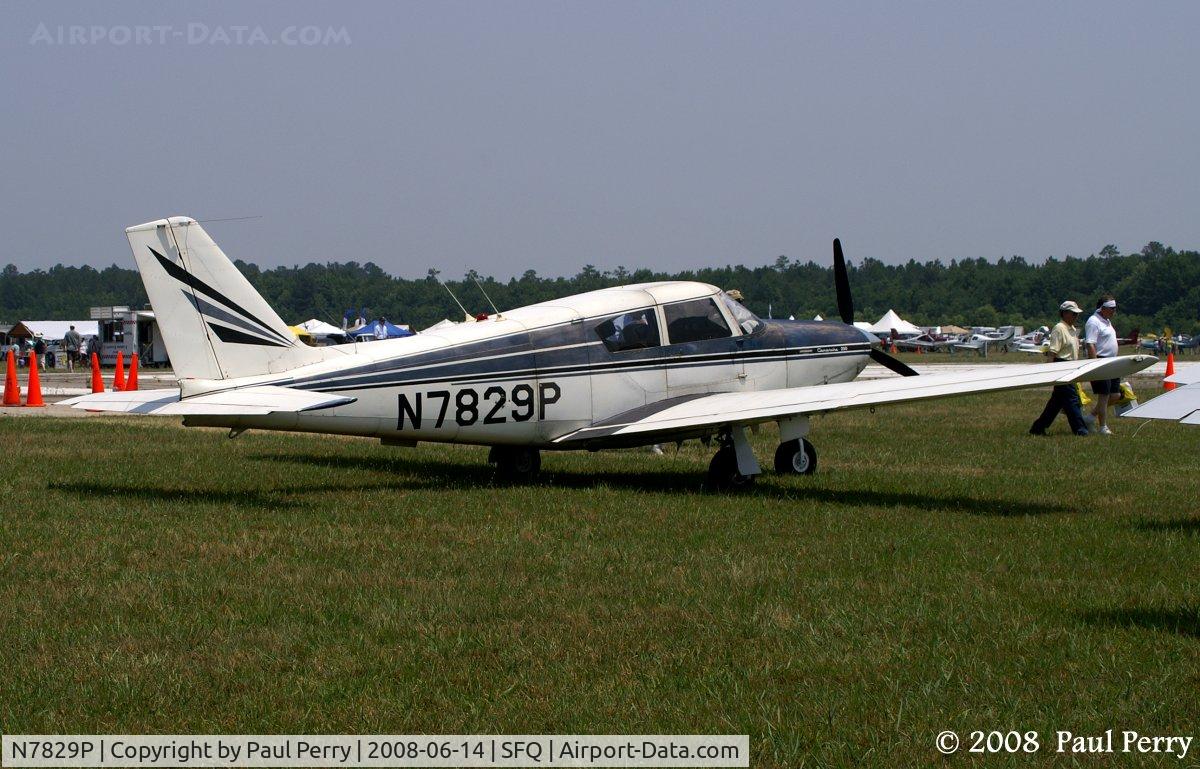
(233, 336)
(212, 312)
(185, 277)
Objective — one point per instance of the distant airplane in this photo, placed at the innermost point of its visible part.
(1178, 343)
(1035, 342)
(926, 341)
(627, 366)
(981, 343)
(1132, 339)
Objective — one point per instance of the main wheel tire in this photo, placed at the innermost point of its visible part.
(723, 472)
(515, 464)
(797, 457)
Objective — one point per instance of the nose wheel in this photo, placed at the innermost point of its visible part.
(797, 457)
(515, 464)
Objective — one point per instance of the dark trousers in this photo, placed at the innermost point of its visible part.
(1064, 398)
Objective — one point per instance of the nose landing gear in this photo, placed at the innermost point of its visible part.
(796, 456)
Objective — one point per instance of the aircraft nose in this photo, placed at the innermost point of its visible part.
(859, 334)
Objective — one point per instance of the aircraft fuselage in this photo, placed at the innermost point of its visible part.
(534, 374)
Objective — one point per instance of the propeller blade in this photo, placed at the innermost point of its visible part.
(841, 280)
(887, 361)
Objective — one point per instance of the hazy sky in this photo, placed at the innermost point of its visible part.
(513, 136)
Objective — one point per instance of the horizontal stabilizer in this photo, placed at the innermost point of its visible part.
(135, 402)
(248, 401)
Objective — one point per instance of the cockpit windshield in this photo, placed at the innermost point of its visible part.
(747, 321)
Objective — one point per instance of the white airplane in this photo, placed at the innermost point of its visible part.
(981, 343)
(626, 366)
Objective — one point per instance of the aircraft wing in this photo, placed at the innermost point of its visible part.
(696, 414)
(265, 399)
(1179, 405)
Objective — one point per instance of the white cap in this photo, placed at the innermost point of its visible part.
(1069, 306)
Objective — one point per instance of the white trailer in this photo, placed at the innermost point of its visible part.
(127, 330)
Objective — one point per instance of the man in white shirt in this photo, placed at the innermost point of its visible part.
(1101, 340)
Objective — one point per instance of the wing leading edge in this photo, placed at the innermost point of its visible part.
(723, 409)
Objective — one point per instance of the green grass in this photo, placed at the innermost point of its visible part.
(943, 570)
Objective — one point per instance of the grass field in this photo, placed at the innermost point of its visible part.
(943, 570)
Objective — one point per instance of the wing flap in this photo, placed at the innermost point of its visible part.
(753, 407)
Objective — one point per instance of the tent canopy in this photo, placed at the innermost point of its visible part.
(893, 322)
(320, 328)
(444, 323)
(392, 331)
(51, 330)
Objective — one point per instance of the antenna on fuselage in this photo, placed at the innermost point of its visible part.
(485, 296)
(468, 317)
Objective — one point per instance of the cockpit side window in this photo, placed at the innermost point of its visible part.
(637, 330)
(694, 321)
(747, 321)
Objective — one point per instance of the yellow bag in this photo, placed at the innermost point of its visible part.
(1127, 395)
(1083, 396)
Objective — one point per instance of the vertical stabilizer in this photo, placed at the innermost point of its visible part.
(214, 324)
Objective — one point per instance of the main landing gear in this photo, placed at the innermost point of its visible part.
(734, 466)
(515, 464)
(723, 472)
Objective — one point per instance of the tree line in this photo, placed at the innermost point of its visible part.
(1156, 287)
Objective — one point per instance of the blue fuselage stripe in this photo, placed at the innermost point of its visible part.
(530, 372)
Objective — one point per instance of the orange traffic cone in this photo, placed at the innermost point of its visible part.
(131, 382)
(97, 380)
(119, 377)
(1170, 371)
(34, 395)
(12, 390)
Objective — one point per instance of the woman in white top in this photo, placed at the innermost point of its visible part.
(1101, 340)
